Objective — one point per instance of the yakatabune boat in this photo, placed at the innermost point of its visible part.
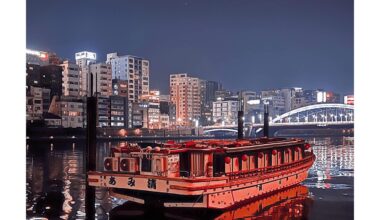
(204, 174)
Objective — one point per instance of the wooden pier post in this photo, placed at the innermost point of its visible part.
(90, 152)
(266, 120)
(240, 117)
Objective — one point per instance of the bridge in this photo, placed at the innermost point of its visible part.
(325, 115)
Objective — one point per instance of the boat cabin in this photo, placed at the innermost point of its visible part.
(207, 158)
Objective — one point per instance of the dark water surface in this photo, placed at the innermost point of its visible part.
(55, 188)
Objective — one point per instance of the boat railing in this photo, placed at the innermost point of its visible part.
(269, 169)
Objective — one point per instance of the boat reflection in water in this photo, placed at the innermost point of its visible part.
(290, 203)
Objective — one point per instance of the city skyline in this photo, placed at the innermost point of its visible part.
(312, 50)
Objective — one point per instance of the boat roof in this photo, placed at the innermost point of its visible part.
(227, 146)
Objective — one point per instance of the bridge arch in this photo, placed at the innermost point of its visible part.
(311, 108)
(220, 129)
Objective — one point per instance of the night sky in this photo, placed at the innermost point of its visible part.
(243, 44)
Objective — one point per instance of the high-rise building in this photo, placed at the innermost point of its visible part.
(70, 79)
(313, 96)
(225, 112)
(275, 100)
(71, 111)
(102, 79)
(208, 89)
(292, 97)
(349, 99)
(134, 70)
(222, 94)
(33, 75)
(185, 94)
(104, 114)
(54, 59)
(85, 58)
(38, 101)
(119, 111)
(168, 108)
(139, 115)
(51, 78)
(248, 98)
(120, 87)
(332, 97)
(37, 57)
(153, 102)
(44, 77)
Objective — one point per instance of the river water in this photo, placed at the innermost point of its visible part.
(55, 188)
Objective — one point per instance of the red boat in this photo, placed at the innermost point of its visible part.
(214, 174)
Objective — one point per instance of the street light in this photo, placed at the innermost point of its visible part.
(315, 118)
(350, 114)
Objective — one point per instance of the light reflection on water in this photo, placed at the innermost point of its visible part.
(332, 160)
(56, 187)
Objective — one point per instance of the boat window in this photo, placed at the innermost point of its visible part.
(197, 164)
(184, 164)
(218, 161)
(146, 165)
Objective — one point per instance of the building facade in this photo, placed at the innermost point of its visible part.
(225, 112)
(37, 102)
(168, 108)
(104, 113)
(40, 58)
(83, 59)
(102, 79)
(70, 79)
(51, 78)
(71, 111)
(119, 111)
(134, 70)
(186, 95)
(275, 100)
(349, 99)
(153, 101)
(120, 87)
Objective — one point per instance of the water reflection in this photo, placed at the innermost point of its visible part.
(291, 203)
(56, 187)
(56, 183)
(334, 159)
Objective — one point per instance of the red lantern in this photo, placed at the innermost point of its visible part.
(288, 150)
(261, 155)
(274, 152)
(307, 146)
(170, 142)
(244, 157)
(190, 144)
(227, 160)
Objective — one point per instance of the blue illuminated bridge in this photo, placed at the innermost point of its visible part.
(319, 116)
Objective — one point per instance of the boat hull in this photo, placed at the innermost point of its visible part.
(223, 198)
(221, 195)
